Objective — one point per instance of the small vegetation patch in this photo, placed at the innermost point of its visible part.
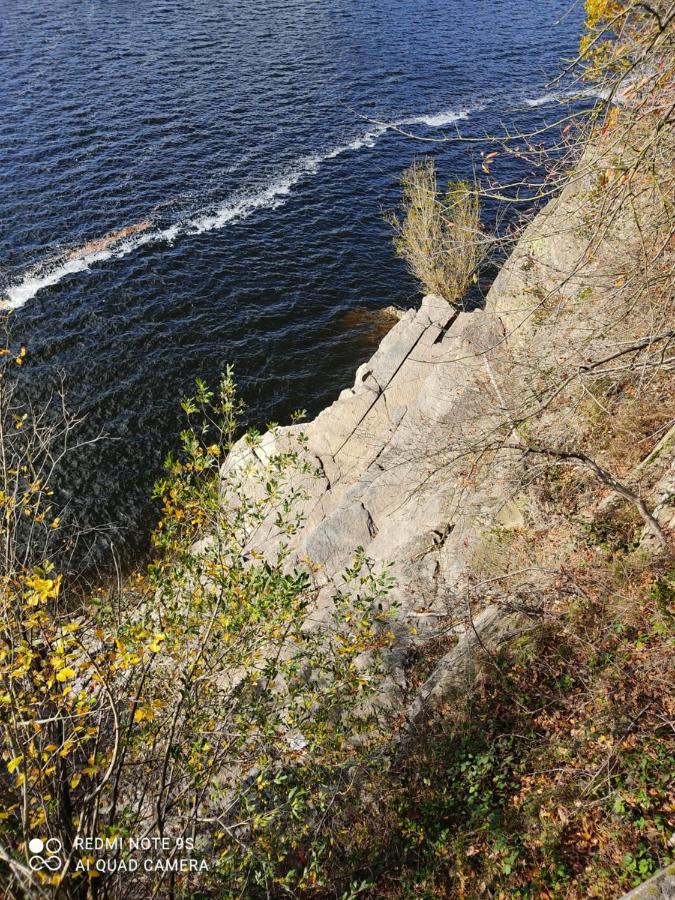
(439, 236)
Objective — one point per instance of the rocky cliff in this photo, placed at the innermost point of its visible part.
(427, 461)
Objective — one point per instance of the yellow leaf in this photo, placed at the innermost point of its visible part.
(14, 764)
(155, 645)
(64, 674)
(67, 747)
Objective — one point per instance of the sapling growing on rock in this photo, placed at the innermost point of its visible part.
(439, 236)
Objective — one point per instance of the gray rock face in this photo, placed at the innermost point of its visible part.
(391, 451)
(384, 446)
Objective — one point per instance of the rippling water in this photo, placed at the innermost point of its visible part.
(190, 184)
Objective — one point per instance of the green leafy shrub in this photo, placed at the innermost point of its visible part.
(199, 704)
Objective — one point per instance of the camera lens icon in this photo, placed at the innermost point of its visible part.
(51, 860)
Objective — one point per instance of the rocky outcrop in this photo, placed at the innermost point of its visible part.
(407, 457)
(383, 449)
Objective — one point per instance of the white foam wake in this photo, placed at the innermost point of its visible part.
(443, 118)
(561, 96)
(51, 273)
(275, 193)
(234, 209)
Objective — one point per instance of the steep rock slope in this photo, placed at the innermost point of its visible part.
(424, 460)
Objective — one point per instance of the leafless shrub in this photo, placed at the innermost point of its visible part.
(439, 236)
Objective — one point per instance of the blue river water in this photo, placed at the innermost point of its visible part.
(189, 184)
